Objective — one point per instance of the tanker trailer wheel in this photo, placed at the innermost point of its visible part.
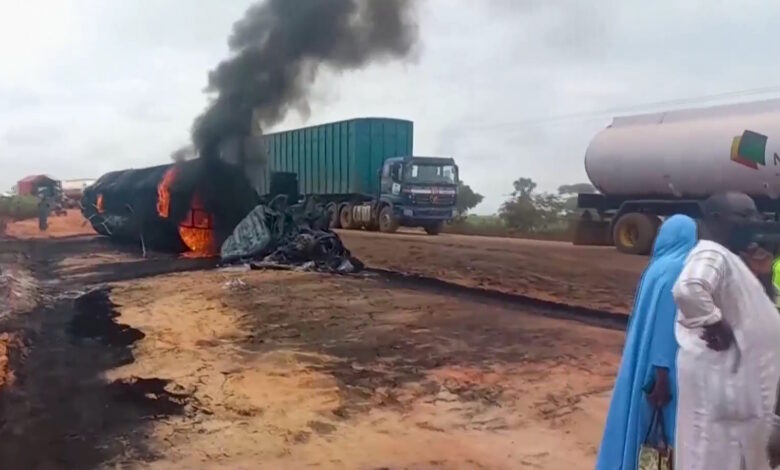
(634, 233)
(346, 217)
(335, 217)
(388, 222)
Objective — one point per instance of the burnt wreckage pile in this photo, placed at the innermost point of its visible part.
(202, 208)
(281, 235)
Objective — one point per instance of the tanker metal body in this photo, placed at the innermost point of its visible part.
(186, 207)
(654, 165)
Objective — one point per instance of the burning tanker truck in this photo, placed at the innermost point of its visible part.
(276, 51)
(191, 206)
(207, 208)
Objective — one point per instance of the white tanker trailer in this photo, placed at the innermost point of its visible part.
(654, 165)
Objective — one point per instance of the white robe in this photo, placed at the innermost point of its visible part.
(726, 399)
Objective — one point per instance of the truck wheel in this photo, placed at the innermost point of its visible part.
(388, 222)
(346, 218)
(634, 233)
(434, 229)
(335, 217)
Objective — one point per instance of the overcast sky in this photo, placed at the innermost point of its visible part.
(89, 86)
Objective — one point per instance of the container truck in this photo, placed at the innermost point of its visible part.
(363, 170)
(43, 187)
(650, 166)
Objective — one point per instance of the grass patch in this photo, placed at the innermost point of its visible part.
(18, 207)
(494, 226)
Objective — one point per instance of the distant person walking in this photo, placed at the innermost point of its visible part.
(646, 383)
(43, 215)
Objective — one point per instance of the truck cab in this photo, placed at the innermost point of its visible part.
(417, 192)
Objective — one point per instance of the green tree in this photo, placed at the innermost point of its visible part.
(570, 192)
(524, 188)
(579, 188)
(529, 211)
(467, 199)
(519, 211)
(549, 212)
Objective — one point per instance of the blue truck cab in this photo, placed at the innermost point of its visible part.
(417, 192)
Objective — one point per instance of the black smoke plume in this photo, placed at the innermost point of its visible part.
(277, 49)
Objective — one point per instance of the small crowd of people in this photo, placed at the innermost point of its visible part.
(699, 379)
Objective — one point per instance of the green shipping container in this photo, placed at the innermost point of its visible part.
(336, 158)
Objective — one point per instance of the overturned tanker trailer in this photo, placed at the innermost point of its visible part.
(189, 206)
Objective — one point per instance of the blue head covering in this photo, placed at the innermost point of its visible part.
(676, 238)
(650, 343)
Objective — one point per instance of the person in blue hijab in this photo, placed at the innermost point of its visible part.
(647, 378)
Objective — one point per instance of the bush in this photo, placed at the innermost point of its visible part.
(495, 226)
(18, 207)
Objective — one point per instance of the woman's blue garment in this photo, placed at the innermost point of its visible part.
(650, 343)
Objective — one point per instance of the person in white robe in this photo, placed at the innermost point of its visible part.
(728, 331)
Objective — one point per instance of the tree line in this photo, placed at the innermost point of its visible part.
(527, 209)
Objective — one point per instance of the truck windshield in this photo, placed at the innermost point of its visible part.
(417, 173)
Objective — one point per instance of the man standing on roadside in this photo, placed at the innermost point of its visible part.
(43, 214)
(729, 337)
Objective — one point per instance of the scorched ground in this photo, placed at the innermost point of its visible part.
(213, 369)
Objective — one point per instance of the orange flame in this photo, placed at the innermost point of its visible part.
(99, 204)
(196, 230)
(164, 193)
(200, 242)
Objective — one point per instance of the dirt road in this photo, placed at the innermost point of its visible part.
(59, 226)
(598, 278)
(214, 369)
(593, 277)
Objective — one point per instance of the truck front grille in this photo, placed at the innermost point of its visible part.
(433, 199)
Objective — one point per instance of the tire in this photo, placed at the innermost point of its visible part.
(434, 229)
(345, 217)
(388, 222)
(634, 233)
(335, 217)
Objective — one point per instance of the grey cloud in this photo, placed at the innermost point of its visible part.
(126, 91)
(558, 29)
(146, 111)
(32, 135)
(14, 100)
